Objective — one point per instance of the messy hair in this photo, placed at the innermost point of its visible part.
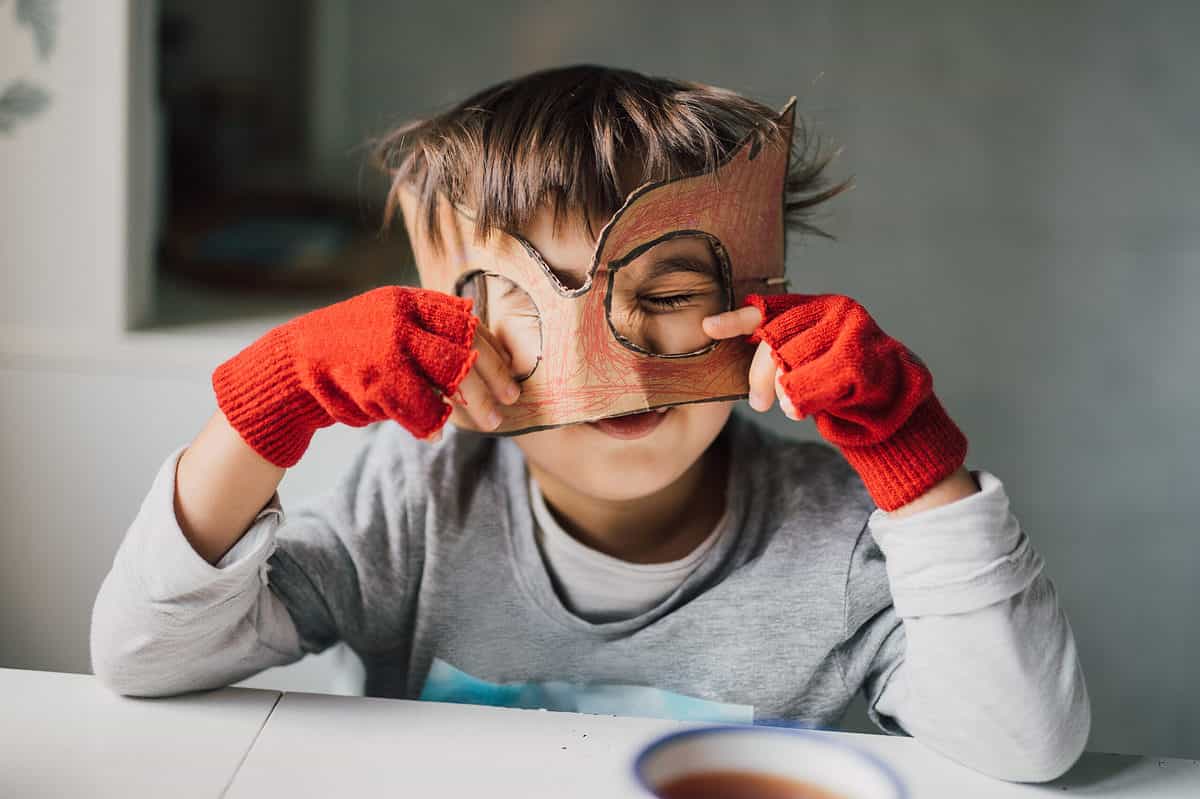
(565, 138)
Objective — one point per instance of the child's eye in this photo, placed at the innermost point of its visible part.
(669, 302)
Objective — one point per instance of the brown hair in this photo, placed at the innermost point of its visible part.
(562, 136)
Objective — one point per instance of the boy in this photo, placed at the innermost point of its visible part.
(632, 547)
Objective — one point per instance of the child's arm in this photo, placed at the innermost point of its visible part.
(983, 666)
(166, 620)
(975, 657)
(187, 603)
(220, 487)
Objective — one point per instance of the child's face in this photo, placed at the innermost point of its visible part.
(630, 457)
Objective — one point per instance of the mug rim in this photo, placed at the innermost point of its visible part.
(662, 740)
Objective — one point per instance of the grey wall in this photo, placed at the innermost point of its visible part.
(1026, 185)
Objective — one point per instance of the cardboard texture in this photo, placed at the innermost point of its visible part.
(586, 372)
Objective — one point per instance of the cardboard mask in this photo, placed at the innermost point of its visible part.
(591, 359)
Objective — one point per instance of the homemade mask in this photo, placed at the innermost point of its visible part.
(628, 339)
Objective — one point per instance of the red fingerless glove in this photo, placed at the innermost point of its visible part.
(390, 353)
(868, 394)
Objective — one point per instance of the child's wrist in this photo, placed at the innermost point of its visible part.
(265, 401)
(925, 450)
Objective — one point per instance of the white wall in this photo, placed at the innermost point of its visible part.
(1023, 218)
(63, 190)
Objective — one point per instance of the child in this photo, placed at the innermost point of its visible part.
(635, 547)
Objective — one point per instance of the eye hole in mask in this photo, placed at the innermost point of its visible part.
(508, 313)
(659, 293)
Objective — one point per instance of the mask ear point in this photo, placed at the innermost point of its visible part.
(787, 117)
(786, 122)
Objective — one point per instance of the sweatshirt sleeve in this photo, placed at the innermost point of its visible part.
(975, 657)
(166, 621)
(336, 569)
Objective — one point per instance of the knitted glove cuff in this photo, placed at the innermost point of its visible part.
(927, 449)
(265, 401)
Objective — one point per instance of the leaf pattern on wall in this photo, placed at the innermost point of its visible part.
(21, 98)
(42, 18)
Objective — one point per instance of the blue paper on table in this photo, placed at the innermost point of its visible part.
(445, 683)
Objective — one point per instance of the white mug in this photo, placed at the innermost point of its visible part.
(818, 760)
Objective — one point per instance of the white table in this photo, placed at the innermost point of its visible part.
(66, 735)
(316, 745)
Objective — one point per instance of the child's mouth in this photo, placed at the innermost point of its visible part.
(634, 425)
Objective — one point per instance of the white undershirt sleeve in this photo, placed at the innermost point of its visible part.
(989, 674)
(166, 621)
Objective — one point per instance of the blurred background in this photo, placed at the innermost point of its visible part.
(176, 178)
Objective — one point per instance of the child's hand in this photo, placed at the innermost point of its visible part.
(395, 352)
(822, 352)
(869, 395)
(489, 381)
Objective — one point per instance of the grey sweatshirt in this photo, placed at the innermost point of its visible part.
(423, 560)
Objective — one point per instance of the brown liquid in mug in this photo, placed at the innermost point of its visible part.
(741, 785)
